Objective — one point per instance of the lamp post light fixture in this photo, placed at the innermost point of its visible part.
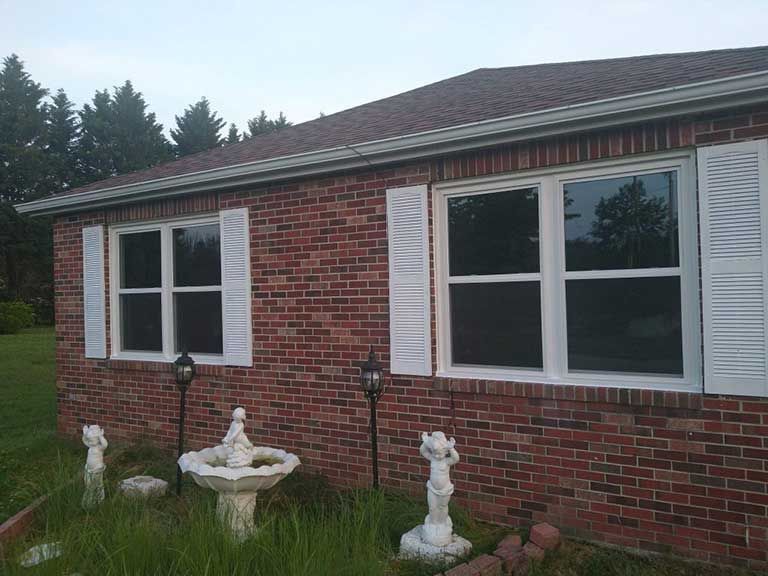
(184, 370)
(372, 383)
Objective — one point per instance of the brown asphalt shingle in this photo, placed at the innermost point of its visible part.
(482, 94)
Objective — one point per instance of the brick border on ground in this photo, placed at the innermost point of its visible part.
(511, 558)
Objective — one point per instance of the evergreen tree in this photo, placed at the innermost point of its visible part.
(97, 139)
(233, 135)
(197, 129)
(118, 135)
(262, 124)
(25, 244)
(22, 133)
(61, 140)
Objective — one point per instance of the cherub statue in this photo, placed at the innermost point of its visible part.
(93, 475)
(239, 453)
(440, 451)
(93, 437)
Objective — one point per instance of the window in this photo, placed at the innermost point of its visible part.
(573, 275)
(622, 275)
(169, 294)
(494, 281)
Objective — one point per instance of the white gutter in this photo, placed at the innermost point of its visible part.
(686, 99)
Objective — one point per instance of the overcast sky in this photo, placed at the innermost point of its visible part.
(306, 57)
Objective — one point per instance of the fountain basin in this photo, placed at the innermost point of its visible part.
(237, 487)
(208, 470)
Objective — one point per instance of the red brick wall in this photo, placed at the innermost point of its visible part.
(658, 471)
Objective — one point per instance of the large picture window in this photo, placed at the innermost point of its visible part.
(574, 275)
(168, 296)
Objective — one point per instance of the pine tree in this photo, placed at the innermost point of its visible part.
(97, 138)
(22, 133)
(61, 139)
(233, 135)
(280, 123)
(118, 135)
(197, 129)
(140, 140)
(25, 244)
(262, 124)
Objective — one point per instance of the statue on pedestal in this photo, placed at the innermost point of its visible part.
(93, 475)
(435, 538)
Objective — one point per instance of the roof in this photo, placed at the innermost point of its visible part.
(477, 96)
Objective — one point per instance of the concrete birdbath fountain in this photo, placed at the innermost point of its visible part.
(238, 470)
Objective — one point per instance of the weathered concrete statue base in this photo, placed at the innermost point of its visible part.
(414, 545)
(94, 488)
(435, 538)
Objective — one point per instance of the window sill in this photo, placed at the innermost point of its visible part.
(140, 363)
(598, 389)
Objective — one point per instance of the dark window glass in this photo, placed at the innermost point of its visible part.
(196, 256)
(494, 233)
(625, 325)
(198, 322)
(621, 223)
(140, 260)
(142, 323)
(496, 324)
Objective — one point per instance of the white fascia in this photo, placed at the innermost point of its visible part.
(685, 99)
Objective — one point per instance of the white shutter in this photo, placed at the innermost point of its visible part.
(93, 292)
(236, 287)
(733, 190)
(409, 309)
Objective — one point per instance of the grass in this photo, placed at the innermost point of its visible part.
(305, 527)
(30, 453)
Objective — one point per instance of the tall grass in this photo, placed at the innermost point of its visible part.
(304, 528)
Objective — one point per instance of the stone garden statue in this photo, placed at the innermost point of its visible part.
(239, 448)
(438, 527)
(435, 538)
(93, 475)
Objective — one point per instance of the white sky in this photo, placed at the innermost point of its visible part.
(307, 57)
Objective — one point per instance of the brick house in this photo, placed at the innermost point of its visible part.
(561, 265)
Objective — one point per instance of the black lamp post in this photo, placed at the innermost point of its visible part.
(184, 370)
(372, 382)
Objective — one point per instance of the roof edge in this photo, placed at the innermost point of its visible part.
(687, 98)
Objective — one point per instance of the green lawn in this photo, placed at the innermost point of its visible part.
(30, 452)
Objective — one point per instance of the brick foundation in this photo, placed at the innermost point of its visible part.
(657, 471)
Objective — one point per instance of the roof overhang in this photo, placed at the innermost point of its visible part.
(685, 99)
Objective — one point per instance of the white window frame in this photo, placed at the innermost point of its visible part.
(553, 275)
(166, 291)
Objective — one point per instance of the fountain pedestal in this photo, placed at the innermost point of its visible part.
(235, 509)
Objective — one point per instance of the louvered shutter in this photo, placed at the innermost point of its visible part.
(733, 190)
(94, 314)
(236, 287)
(409, 310)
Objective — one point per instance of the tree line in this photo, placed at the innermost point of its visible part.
(47, 145)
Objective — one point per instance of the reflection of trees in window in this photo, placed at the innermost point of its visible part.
(631, 228)
(196, 254)
(494, 233)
